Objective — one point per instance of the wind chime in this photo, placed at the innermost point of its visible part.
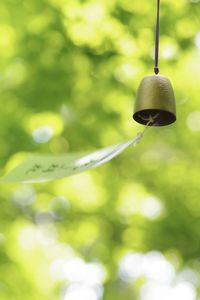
(155, 101)
(154, 106)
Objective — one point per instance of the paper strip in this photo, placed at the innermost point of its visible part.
(40, 168)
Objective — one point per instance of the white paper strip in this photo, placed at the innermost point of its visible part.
(40, 167)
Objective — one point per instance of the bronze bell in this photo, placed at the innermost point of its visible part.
(155, 102)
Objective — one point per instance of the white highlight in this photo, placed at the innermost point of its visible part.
(131, 266)
(157, 268)
(80, 293)
(85, 279)
(197, 40)
(152, 266)
(151, 208)
(193, 121)
(24, 196)
(154, 291)
(42, 134)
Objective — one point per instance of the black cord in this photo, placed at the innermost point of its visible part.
(156, 69)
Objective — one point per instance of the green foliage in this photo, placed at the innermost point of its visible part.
(69, 72)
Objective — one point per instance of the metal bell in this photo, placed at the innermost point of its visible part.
(155, 102)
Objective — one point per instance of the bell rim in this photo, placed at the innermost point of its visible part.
(170, 120)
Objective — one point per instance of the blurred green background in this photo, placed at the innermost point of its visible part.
(69, 71)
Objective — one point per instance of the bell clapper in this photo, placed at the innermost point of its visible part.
(150, 120)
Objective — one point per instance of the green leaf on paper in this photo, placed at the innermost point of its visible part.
(40, 167)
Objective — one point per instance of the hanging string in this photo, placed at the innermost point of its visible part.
(156, 69)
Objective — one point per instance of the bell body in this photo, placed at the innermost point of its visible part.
(155, 102)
